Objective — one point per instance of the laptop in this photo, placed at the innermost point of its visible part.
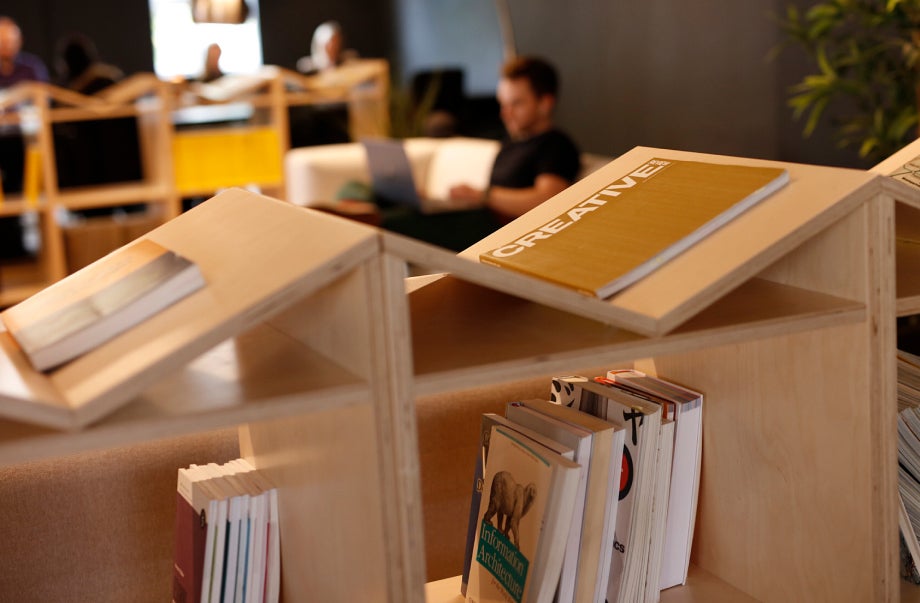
(391, 176)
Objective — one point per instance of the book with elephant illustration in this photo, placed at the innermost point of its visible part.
(598, 444)
(525, 514)
(489, 420)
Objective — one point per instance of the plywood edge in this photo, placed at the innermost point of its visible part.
(902, 192)
(26, 394)
(882, 343)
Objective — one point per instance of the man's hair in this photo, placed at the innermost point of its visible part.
(539, 73)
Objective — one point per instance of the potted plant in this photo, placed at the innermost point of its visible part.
(866, 58)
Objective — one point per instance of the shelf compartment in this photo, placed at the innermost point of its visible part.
(907, 267)
(701, 587)
(463, 333)
(260, 375)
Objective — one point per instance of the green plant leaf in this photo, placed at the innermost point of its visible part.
(865, 73)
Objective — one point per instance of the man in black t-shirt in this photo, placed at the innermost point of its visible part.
(535, 162)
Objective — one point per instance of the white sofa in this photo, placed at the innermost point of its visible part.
(315, 174)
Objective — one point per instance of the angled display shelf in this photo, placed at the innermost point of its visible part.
(782, 319)
(309, 338)
(281, 339)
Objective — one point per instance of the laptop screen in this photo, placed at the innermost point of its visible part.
(391, 172)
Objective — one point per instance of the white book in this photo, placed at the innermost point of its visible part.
(526, 512)
(238, 506)
(244, 551)
(263, 487)
(273, 569)
(686, 407)
(211, 590)
(488, 421)
(597, 446)
(256, 580)
(99, 302)
(642, 421)
(659, 510)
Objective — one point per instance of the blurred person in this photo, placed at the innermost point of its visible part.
(327, 49)
(79, 68)
(212, 69)
(93, 151)
(17, 65)
(535, 162)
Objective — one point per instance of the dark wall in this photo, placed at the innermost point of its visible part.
(667, 73)
(670, 73)
(121, 28)
(287, 26)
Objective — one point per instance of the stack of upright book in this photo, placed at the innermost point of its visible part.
(619, 526)
(227, 540)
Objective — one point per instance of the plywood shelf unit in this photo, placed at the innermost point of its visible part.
(756, 317)
(37, 107)
(173, 166)
(782, 319)
(281, 341)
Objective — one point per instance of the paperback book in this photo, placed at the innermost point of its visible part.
(524, 515)
(227, 537)
(598, 445)
(629, 561)
(490, 420)
(685, 407)
(97, 303)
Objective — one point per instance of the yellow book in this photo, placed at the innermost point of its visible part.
(32, 175)
(636, 223)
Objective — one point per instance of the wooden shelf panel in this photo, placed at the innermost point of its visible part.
(14, 205)
(701, 587)
(265, 187)
(260, 375)
(464, 333)
(910, 593)
(71, 114)
(109, 194)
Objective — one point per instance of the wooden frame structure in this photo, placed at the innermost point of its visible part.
(783, 318)
(36, 107)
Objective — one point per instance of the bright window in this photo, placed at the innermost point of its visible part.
(180, 44)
